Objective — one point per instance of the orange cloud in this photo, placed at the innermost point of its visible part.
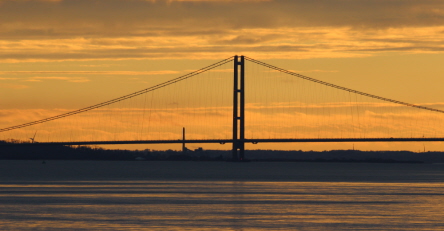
(88, 73)
(69, 79)
(121, 29)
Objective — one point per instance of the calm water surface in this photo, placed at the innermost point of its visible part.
(75, 195)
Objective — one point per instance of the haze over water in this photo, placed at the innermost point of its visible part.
(88, 195)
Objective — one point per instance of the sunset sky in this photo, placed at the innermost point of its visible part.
(69, 54)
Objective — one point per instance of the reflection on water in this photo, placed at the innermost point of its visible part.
(220, 205)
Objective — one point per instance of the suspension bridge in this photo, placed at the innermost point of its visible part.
(237, 100)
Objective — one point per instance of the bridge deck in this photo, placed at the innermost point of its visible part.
(223, 141)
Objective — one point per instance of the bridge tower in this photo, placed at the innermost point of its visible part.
(239, 109)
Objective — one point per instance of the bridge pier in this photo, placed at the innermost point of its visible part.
(239, 109)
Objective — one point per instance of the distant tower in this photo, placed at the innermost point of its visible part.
(184, 149)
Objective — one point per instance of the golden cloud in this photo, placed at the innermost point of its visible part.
(86, 73)
(69, 79)
(121, 29)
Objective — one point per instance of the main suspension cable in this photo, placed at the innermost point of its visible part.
(134, 94)
(341, 88)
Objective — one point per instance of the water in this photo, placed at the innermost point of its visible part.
(76, 195)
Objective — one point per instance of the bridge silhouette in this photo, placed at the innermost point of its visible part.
(237, 100)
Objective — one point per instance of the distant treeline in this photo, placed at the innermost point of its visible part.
(26, 151)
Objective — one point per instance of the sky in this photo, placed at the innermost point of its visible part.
(68, 54)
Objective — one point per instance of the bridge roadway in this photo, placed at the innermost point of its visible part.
(223, 141)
